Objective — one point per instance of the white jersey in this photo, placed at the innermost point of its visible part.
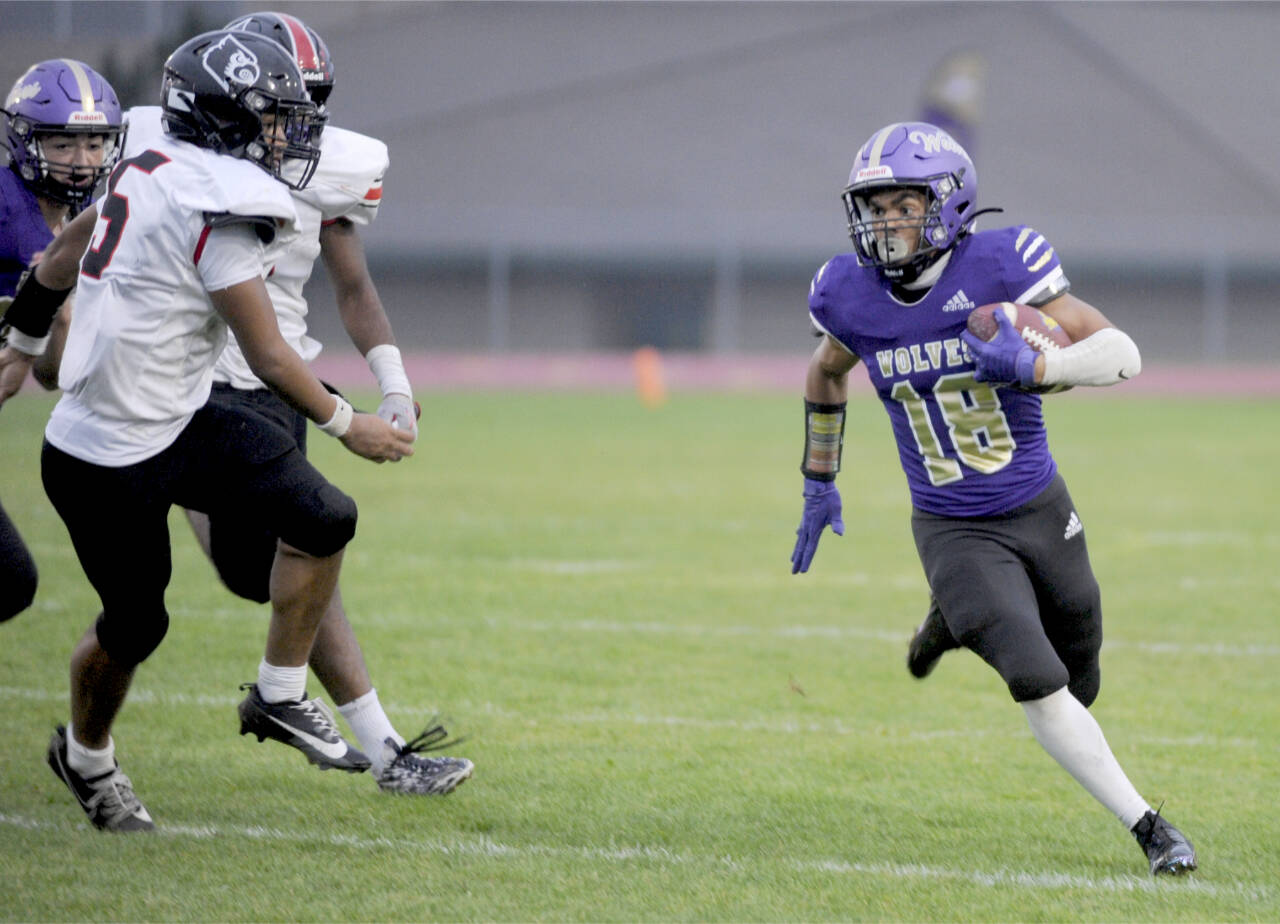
(347, 185)
(144, 336)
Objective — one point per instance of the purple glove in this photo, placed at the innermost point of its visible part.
(1004, 359)
(822, 507)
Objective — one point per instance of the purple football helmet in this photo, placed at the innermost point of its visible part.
(920, 156)
(61, 97)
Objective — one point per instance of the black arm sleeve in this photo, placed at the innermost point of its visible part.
(34, 306)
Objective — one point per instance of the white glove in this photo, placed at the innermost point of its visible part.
(401, 412)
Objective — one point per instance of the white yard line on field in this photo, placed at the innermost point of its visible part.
(487, 848)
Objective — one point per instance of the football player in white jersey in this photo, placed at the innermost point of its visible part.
(343, 195)
(181, 243)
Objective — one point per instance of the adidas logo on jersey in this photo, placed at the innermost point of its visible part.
(959, 302)
(1074, 526)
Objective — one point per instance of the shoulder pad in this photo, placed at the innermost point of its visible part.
(203, 181)
(348, 181)
(262, 225)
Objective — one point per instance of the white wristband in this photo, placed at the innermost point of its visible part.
(340, 422)
(1105, 357)
(25, 343)
(388, 368)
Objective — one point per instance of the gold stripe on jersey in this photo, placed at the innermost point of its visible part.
(1039, 264)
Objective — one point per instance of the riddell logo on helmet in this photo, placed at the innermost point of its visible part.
(883, 172)
(87, 118)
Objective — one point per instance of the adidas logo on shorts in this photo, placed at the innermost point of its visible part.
(1074, 526)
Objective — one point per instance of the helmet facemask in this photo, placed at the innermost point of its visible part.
(287, 142)
(878, 241)
(70, 184)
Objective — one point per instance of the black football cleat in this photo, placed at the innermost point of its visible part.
(306, 724)
(1166, 847)
(406, 771)
(108, 799)
(932, 640)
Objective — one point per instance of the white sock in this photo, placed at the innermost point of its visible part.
(88, 762)
(1071, 735)
(281, 684)
(371, 726)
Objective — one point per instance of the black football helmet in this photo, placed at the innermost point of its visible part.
(242, 94)
(301, 41)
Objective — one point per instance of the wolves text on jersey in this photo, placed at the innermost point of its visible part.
(929, 356)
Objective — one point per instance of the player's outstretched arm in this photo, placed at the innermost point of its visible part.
(248, 312)
(60, 264)
(41, 293)
(14, 366)
(826, 393)
(366, 321)
(45, 368)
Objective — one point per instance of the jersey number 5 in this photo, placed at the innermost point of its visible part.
(115, 212)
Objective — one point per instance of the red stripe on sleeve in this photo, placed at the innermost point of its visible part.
(204, 236)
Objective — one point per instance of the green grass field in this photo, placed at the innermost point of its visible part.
(666, 724)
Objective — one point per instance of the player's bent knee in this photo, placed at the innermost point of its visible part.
(327, 527)
(1084, 685)
(1036, 684)
(243, 557)
(19, 593)
(132, 640)
(1081, 658)
(246, 582)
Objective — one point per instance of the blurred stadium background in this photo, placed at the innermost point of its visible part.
(573, 179)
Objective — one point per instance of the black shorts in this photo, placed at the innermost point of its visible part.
(267, 403)
(226, 460)
(243, 548)
(1017, 588)
(17, 571)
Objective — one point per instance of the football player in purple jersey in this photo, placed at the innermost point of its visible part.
(1002, 545)
(62, 136)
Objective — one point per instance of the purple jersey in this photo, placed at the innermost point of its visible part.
(23, 232)
(968, 448)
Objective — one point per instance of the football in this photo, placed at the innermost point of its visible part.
(1037, 328)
